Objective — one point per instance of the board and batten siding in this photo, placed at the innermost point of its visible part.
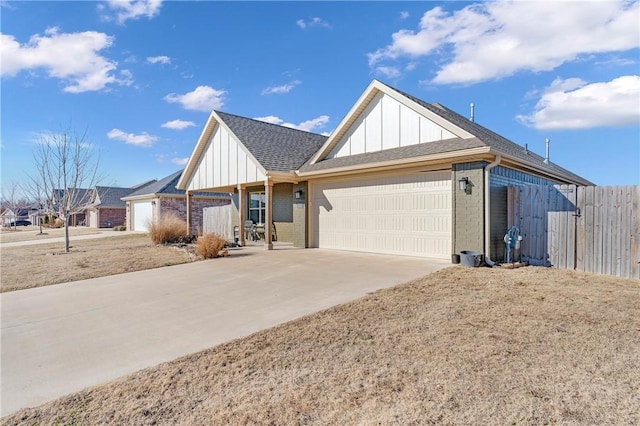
(384, 124)
(224, 163)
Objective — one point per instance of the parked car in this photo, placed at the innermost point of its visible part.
(19, 223)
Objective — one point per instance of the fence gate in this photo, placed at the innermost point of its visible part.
(587, 228)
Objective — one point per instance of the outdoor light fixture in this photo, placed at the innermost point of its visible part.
(298, 194)
(463, 183)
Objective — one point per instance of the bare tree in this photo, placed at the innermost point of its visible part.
(67, 168)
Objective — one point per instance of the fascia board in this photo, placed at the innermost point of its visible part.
(201, 145)
(347, 120)
(398, 163)
(361, 104)
(198, 150)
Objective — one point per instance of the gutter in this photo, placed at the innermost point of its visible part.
(487, 209)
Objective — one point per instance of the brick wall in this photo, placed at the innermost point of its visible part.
(115, 217)
(468, 213)
(282, 211)
(300, 216)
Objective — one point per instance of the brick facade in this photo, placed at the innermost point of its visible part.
(282, 211)
(300, 223)
(468, 208)
(110, 217)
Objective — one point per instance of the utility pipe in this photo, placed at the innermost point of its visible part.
(487, 209)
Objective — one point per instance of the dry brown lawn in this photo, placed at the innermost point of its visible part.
(46, 264)
(32, 233)
(461, 346)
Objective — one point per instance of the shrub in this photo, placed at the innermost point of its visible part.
(120, 228)
(58, 223)
(169, 229)
(209, 245)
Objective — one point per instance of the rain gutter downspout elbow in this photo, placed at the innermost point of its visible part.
(487, 209)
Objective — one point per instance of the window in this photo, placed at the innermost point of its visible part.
(257, 207)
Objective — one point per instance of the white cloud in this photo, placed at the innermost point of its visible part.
(389, 72)
(180, 161)
(574, 104)
(177, 124)
(130, 9)
(313, 22)
(71, 57)
(404, 14)
(307, 126)
(143, 139)
(491, 40)
(158, 59)
(203, 98)
(285, 88)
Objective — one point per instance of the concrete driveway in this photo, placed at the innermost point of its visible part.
(60, 339)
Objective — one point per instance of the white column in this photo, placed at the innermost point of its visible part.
(242, 200)
(268, 195)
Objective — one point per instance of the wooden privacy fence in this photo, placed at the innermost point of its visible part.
(217, 220)
(587, 228)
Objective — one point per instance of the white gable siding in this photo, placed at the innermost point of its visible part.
(224, 163)
(384, 124)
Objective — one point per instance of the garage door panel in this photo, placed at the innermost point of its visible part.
(408, 215)
(142, 215)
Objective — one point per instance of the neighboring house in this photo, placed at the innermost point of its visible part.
(160, 198)
(106, 208)
(77, 216)
(9, 215)
(398, 175)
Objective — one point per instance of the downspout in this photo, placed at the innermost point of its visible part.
(487, 209)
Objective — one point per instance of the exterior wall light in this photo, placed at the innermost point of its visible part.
(463, 183)
(298, 194)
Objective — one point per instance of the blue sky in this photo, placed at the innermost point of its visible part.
(142, 76)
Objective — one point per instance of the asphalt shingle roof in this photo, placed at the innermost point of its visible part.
(276, 148)
(167, 186)
(483, 137)
(110, 196)
(492, 139)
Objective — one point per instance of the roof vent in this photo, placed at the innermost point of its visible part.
(546, 155)
(472, 112)
(526, 149)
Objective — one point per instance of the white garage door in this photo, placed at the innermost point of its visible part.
(93, 219)
(402, 215)
(142, 215)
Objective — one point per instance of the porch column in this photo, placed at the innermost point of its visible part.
(189, 220)
(268, 220)
(242, 199)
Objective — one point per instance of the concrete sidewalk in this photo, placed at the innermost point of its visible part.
(100, 233)
(60, 339)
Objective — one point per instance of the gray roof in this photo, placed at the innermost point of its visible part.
(83, 196)
(167, 186)
(483, 138)
(110, 196)
(277, 148)
(492, 139)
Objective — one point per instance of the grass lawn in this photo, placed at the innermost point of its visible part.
(461, 346)
(32, 233)
(45, 264)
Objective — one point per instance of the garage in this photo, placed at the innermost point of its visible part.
(401, 215)
(93, 218)
(142, 215)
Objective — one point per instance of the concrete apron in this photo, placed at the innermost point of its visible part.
(60, 339)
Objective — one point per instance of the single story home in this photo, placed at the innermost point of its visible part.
(78, 216)
(106, 208)
(398, 175)
(162, 197)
